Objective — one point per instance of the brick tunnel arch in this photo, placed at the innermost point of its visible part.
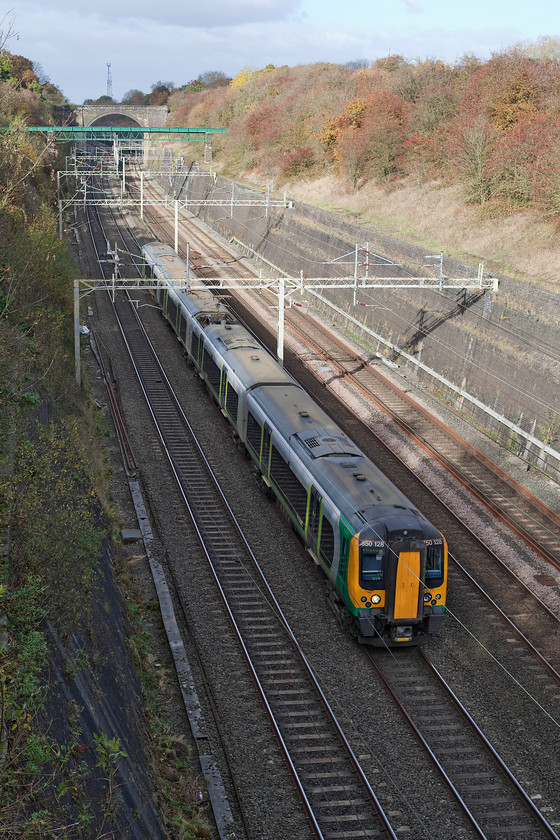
(117, 119)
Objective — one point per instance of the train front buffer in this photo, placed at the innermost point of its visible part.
(397, 587)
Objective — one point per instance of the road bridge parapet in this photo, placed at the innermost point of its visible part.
(148, 116)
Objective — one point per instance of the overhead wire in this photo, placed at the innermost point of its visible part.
(517, 333)
(410, 324)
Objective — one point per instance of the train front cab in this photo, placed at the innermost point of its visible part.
(396, 588)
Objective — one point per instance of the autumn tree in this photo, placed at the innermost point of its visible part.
(489, 126)
(101, 100)
(334, 127)
(512, 165)
(470, 144)
(213, 79)
(545, 184)
(133, 97)
(366, 139)
(160, 92)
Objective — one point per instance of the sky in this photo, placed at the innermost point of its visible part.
(147, 41)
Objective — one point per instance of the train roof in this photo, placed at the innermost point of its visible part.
(251, 363)
(359, 489)
(171, 266)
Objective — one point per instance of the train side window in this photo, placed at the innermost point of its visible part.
(254, 434)
(212, 372)
(434, 562)
(326, 545)
(232, 402)
(372, 565)
(288, 485)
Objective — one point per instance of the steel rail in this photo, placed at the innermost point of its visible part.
(470, 809)
(195, 515)
(480, 734)
(384, 823)
(418, 735)
(128, 457)
(517, 630)
(218, 796)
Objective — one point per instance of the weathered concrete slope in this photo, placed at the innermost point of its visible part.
(502, 348)
(103, 699)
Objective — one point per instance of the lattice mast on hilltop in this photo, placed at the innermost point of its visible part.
(109, 81)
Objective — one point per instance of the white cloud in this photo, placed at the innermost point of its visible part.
(413, 7)
(208, 14)
(74, 47)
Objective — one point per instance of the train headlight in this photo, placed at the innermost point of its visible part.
(438, 597)
(375, 599)
(427, 597)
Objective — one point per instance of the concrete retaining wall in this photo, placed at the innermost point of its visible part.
(502, 348)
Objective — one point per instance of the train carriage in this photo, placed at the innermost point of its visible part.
(385, 562)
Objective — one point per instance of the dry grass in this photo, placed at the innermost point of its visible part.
(434, 214)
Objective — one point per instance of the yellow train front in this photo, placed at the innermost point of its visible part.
(396, 577)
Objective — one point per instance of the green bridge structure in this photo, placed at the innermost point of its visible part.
(104, 133)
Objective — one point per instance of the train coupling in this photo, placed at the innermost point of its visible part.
(401, 633)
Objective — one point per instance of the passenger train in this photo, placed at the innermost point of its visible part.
(385, 563)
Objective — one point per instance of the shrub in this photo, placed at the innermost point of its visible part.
(470, 145)
(368, 139)
(297, 162)
(511, 166)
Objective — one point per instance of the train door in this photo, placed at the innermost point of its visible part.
(183, 323)
(407, 585)
(407, 571)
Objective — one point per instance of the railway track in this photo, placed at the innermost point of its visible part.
(531, 632)
(488, 792)
(524, 609)
(534, 522)
(527, 516)
(336, 794)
